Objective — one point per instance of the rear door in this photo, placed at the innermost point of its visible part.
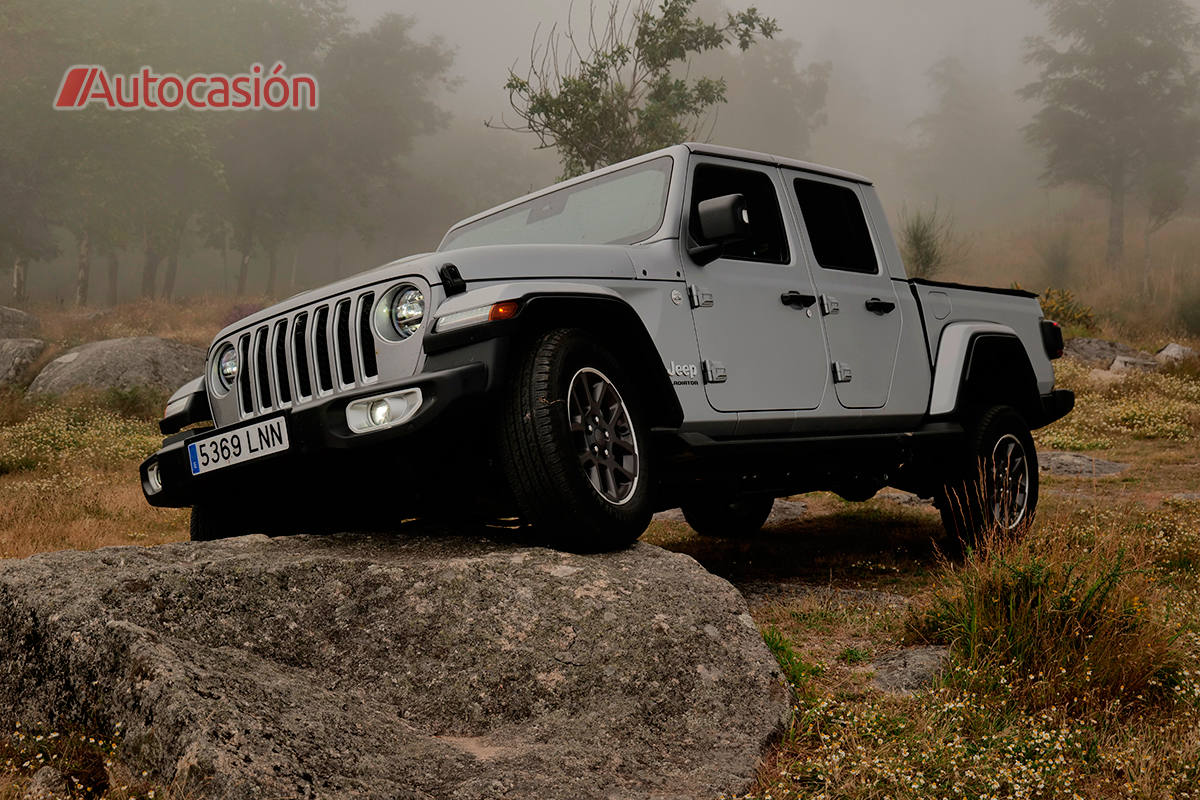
(858, 301)
(762, 346)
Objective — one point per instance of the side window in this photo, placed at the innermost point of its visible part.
(768, 241)
(836, 227)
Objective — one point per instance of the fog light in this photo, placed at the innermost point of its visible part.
(153, 479)
(386, 411)
(380, 413)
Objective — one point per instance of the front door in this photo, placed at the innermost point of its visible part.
(754, 308)
(857, 296)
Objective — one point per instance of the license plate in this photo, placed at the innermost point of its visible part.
(234, 447)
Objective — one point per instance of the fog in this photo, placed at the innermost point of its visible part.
(949, 136)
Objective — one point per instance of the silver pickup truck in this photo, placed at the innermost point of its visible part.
(699, 327)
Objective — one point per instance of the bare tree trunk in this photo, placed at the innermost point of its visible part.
(1146, 234)
(150, 266)
(225, 264)
(244, 271)
(83, 276)
(1116, 217)
(114, 269)
(20, 292)
(272, 262)
(168, 288)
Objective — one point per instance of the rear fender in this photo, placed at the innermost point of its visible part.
(983, 363)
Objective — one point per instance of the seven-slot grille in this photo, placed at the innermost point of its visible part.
(316, 352)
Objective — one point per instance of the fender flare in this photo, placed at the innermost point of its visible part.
(188, 405)
(955, 348)
(565, 304)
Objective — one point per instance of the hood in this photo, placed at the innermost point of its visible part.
(475, 264)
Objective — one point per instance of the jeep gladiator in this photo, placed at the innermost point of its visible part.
(700, 327)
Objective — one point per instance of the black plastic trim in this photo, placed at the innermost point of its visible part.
(969, 288)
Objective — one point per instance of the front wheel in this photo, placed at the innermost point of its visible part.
(208, 526)
(996, 487)
(741, 516)
(573, 444)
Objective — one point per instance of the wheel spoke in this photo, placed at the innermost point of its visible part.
(601, 429)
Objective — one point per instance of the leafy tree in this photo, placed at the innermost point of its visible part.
(622, 88)
(1117, 81)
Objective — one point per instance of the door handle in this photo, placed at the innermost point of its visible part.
(797, 300)
(877, 306)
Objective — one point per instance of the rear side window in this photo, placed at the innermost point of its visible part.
(768, 241)
(836, 227)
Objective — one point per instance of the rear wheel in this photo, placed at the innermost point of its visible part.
(996, 486)
(573, 444)
(741, 516)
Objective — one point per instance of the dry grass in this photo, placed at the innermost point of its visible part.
(91, 764)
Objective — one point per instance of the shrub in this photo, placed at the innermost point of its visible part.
(928, 242)
(1061, 306)
(1051, 624)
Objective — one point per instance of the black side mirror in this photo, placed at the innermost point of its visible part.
(722, 221)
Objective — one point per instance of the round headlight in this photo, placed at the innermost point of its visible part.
(408, 311)
(227, 366)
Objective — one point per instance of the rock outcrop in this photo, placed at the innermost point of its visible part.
(1175, 352)
(1101, 353)
(395, 667)
(1057, 462)
(16, 324)
(16, 356)
(910, 670)
(144, 361)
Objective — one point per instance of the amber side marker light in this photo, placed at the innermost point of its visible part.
(505, 310)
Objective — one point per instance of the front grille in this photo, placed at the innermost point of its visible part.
(307, 354)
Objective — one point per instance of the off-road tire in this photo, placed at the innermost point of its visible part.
(972, 501)
(207, 526)
(741, 516)
(542, 458)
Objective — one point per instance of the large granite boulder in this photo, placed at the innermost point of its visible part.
(143, 361)
(16, 356)
(395, 667)
(16, 324)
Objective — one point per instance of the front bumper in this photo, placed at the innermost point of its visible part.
(318, 435)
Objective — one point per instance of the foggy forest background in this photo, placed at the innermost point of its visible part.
(936, 100)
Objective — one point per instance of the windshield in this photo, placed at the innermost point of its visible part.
(622, 207)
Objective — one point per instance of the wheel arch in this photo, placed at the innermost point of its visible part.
(598, 310)
(617, 325)
(984, 364)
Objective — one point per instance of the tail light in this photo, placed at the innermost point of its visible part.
(1052, 339)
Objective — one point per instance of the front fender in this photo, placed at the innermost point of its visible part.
(187, 406)
(523, 292)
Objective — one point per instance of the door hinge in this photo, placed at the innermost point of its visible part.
(841, 372)
(714, 372)
(701, 298)
(829, 305)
